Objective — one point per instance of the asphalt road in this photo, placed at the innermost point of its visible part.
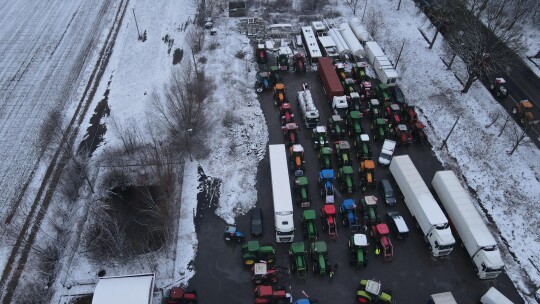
(412, 275)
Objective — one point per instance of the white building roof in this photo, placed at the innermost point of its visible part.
(133, 289)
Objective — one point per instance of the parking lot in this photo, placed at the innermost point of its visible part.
(412, 275)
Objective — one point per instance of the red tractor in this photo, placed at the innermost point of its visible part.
(328, 215)
(289, 133)
(285, 113)
(403, 135)
(393, 113)
(365, 90)
(380, 233)
(261, 53)
(262, 274)
(269, 294)
(299, 62)
(178, 295)
(418, 133)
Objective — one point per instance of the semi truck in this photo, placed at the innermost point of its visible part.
(384, 69)
(422, 205)
(469, 225)
(442, 298)
(281, 194)
(329, 78)
(307, 107)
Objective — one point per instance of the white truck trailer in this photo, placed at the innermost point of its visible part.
(493, 296)
(384, 69)
(423, 206)
(354, 45)
(359, 30)
(341, 45)
(470, 226)
(281, 194)
(307, 107)
(442, 298)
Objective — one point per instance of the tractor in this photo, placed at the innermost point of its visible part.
(283, 62)
(394, 113)
(336, 127)
(379, 128)
(301, 190)
(261, 54)
(326, 182)
(403, 134)
(319, 258)
(380, 234)
(346, 179)
(370, 293)
(348, 85)
(355, 102)
(354, 123)
(398, 95)
(178, 295)
(232, 234)
(325, 158)
(382, 93)
(363, 147)
(369, 209)
(289, 134)
(271, 295)
(410, 113)
(418, 133)
(328, 217)
(358, 249)
(279, 94)
(319, 136)
(252, 251)
(285, 113)
(340, 70)
(367, 174)
(309, 229)
(262, 275)
(296, 159)
(498, 88)
(365, 90)
(347, 210)
(523, 111)
(343, 153)
(263, 81)
(298, 259)
(375, 109)
(275, 77)
(299, 62)
(359, 71)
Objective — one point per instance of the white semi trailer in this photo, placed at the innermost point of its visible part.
(422, 206)
(354, 45)
(470, 226)
(359, 30)
(281, 194)
(384, 69)
(307, 107)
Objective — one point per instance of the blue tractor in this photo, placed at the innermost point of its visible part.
(347, 211)
(263, 81)
(232, 234)
(326, 182)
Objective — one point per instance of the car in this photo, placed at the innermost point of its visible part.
(398, 95)
(397, 225)
(387, 192)
(256, 222)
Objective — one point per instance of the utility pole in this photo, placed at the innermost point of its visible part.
(450, 133)
(399, 5)
(136, 25)
(399, 56)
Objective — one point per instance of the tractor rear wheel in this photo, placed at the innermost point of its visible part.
(249, 261)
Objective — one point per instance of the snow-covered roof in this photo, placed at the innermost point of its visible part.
(133, 289)
(360, 239)
(364, 137)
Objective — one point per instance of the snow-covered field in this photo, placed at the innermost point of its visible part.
(508, 187)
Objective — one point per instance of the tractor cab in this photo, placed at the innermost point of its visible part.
(411, 113)
(343, 152)
(275, 77)
(375, 109)
(301, 189)
(252, 251)
(298, 259)
(340, 70)
(359, 71)
(403, 134)
(336, 127)
(283, 62)
(279, 94)
(299, 62)
(319, 258)
(393, 113)
(309, 228)
(340, 105)
(296, 159)
(270, 294)
(261, 53)
(371, 292)
(325, 158)
(347, 211)
(319, 137)
(358, 248)
(498, 87)
(328, 214)
(363, 147)
(349, 86)
(367, 174)
(523, 111)
(355, 102)
(178, 295)
(289, 133)
(379, 128)
(369, 209)
(380, 234)
(263, 81)
(418, 133)
(262, 274)
(382, 93)
(285, 113)
(365, 90)
(326, 181)
(346, 179)
(354, 123)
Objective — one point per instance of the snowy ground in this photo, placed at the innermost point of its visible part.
(508, 187)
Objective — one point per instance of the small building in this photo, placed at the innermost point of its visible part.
(133, 289)
(237, 9)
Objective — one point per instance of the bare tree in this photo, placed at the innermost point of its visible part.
(354, 5)
(494, 117)
(195, 38)
(129, 134)
(374, 21)
(519, 137)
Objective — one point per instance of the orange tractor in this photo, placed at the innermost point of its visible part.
(279, 94)
(523, 111)
(367, 174)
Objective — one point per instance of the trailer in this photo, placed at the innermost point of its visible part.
(351, 40)
(442, 298)
(307, 107)
(329, 78)
(423, 207)
(328, 46)
(373, 50)
(493, 296)
(341, 45)
(281, 194)
(359, 30)
(473, 232)
(310, 43)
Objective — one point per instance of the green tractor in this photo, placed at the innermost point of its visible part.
(375, 109)
(252, 252)
(275, 77)
(319, 258)
(358, 249)
(301, 189)
(319, 137)
(348, 85)
(379, 129)
(336, 127)
(298, 259)
(363, 147)
(325, 158)
(343, 152)
(382, 93)
(369, 209)
(370, 292)
(354, 123)
(359, 71)
(346, 178)
(309, 229)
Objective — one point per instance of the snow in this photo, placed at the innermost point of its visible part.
(135, 289)
(507, 187)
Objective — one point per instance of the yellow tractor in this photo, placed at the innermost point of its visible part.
(367, 174)
(523, 111)
(279, 94)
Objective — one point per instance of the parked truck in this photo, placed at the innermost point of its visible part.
(281, 194)
(422, 206)
(384, 69)
(493, 296)
(470, 226)
(359, 30)
(387, 152)
(329, 78)
(307, 107)
(442, 298)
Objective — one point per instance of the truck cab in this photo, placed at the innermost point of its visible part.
(340, 105)
(440, 239)
(488, 263)
(284, 227)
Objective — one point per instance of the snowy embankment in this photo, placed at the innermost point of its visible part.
(507, 187)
